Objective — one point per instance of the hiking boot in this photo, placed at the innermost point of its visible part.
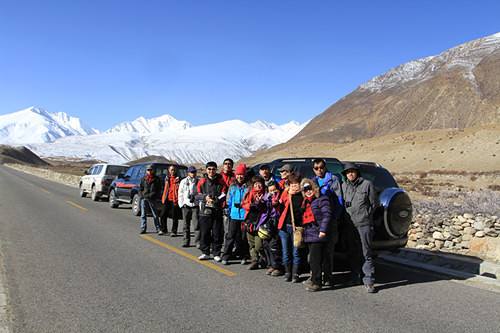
(253, 265)
(313, 287)
(370, 288)
(161, 233)
(288, 273)
(225, 262)
(270, 271)
(185, 245)
(295, 274)
(143, 232)
(204, 257)
(277, 272)
(307, 283)
(218, 258)
(244, 261)
(173, 234)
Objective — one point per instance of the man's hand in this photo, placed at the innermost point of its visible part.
(322, 234)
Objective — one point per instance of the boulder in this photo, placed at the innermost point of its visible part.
(488, 248)
(462, 219)
(478, 225)
(438, 236)
(469, 231)
(448, 244)
(469, 216)
(466, 237)
(438, 243)
(479, 234)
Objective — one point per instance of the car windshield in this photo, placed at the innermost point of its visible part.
(115, 170)
(306, 169)
(162, 171)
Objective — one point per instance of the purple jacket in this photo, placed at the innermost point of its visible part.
(322, 216)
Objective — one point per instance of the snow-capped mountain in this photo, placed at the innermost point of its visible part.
(145, 126)
(186, 144)
(57, 134)
(36, 125)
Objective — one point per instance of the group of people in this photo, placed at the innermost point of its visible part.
(287, 225)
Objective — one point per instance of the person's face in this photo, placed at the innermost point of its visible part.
(171, 171)
(319, 169)
(240, 178)
(284, 174)
(149, 171)
(294, 188)
(192, 174)
(273, 189)
(265, 173)
(211, 171)
(228, 167)
(308, 192)
(257, 186)
(351, 174)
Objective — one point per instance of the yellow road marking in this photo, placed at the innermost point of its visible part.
(189, 256)
(76, 205)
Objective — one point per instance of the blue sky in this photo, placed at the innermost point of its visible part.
(205, 61)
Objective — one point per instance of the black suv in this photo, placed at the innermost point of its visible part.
(125, 188)
(394, 215)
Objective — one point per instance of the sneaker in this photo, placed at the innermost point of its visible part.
(204, 257)
(225, 262)
(173, 234)
(370, 288)
(244, 261)
(160, 233)
(254, 265)
(307, 282)
(277, 272)
(313, 287)
(270, 271)
(185, 245)
(218, 258)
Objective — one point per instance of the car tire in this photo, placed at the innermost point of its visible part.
(82, 193)
(93, 194)
(113, 203)
(136, 207)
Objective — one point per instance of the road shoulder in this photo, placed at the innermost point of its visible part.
(4, 310)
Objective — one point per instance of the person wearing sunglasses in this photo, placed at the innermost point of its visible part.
(316, 219)
(212, 196)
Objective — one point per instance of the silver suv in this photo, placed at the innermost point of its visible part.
(97, 179)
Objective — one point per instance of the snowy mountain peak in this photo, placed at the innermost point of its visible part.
(145, 126)
(466, 56)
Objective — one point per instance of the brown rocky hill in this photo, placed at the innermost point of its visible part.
(458, 88)
(20, 155)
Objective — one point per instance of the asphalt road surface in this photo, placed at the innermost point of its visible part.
(73, 265)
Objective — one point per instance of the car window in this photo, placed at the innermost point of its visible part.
(380, 177)
(182, 172)
(141, 171)
(89, 171)
(97, 169)
(115, 170)
(306, 170)
(161, 171)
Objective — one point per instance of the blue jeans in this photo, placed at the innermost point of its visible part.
(290, 253)
(146, 203)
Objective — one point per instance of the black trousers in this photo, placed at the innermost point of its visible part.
(272, 249)
(189, 214)
(169, 208)
(319, 260)
(210, 233)
(234, 240)
(360, 253)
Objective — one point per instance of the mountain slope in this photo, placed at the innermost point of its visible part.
(35, 125)
(458, 88)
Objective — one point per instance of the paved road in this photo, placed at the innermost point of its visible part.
(84, 268)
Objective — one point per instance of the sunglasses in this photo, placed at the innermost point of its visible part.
(319, 168)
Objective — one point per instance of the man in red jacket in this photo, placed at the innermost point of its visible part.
(170, 201)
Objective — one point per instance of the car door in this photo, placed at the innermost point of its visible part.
(87, 178)
(123, 186)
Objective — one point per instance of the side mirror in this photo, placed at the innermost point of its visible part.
(86, 172)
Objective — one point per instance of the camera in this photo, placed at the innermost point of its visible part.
(348, 204)
(237, 204)
(191, 198)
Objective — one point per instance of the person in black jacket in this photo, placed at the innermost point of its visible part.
(150, 190)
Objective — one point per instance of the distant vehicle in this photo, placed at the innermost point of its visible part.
(98, 178)
(394, 215)
(125, 188)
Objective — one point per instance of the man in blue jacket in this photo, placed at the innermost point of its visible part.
(236, 215)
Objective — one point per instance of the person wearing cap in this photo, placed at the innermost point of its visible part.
(285, 172)
(212, 197)
(265, 172)
(291, 217)
(229, 178)
(236, 215)
(317, 221)
(360, 202)
(170, 201)
(150, 191)
(187, 195)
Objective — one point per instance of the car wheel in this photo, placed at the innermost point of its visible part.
(113, 203)
(136, 207)
(93, 194)
(83, 194)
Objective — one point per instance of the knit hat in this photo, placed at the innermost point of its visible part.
(241, 169)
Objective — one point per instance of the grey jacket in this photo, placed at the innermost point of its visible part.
(360, 201)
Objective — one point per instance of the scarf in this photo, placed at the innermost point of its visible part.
(149, 178)
(254, 193)
(307, 215)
